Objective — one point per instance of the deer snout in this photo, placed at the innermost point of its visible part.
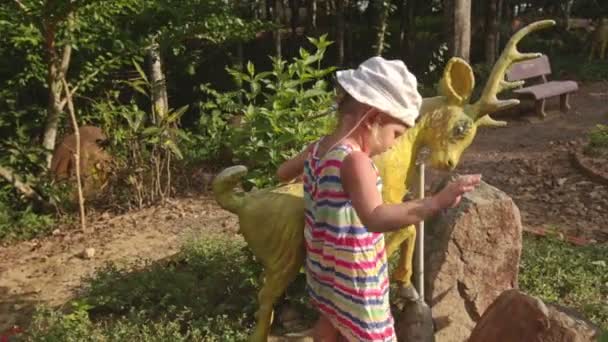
(451, 164)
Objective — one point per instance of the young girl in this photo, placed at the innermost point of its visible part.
(346, 262)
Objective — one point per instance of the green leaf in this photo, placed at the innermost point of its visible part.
(151, 131)
(139, 89)
(177, 114)
(142, 74)
(250, 68)
(170, 144)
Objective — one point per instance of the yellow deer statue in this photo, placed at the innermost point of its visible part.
(272, 220)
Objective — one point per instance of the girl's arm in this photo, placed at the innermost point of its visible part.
(292, 168)
(359, 181)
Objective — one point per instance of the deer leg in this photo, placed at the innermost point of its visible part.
(274, 286)
(540, 108)
(403, 272)
(564, 105)
(603, 51)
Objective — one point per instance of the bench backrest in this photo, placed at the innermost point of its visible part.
(528, 69)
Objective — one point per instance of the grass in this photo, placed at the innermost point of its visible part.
(576, 277)
(210, 293)
(598, 142)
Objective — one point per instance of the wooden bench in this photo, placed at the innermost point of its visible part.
(539, 68)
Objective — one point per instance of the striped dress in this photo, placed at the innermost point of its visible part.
(346, 266)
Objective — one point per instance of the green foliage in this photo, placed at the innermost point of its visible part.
(598, 137)
(142, 145)
(578, 67)
(216, 276)
(104, 36)
(275, 109)
(209, 294)
(22, 223)
(18, 217)
(51, 326)
(576, 277)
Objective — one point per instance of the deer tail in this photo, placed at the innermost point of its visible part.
(223, 188)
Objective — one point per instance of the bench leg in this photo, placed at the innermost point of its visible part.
(564, 105)
(540, 108)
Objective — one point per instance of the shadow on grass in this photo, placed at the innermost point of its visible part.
(208, 292)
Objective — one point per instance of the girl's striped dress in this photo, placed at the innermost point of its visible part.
(346, 267)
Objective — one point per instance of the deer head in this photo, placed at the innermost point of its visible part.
(449, 122)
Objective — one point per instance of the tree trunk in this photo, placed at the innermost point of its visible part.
(348, 54)
(383, 13)
(340, 31)
(313, 14)
(499, 20)
(402, 25)
(263, 13)
(448, 18)
(57, 67)
(278, 14)
(462, 29)
(294, 20)
(491, 31)
(160, 103)
(407, 36)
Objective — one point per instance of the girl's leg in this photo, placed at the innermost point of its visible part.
(324, 331)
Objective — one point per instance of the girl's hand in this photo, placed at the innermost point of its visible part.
(451, 194)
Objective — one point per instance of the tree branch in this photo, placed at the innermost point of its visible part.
(19, 184)
(79, 84)
(68, 96)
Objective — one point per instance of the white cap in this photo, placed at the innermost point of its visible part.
(386, 85)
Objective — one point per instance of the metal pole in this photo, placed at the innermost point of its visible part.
(420, 238)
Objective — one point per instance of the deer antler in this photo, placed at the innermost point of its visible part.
(488, 102)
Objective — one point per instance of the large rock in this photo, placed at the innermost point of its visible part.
(513, 317)
(517, 317)
(472, 255)
(566, 325)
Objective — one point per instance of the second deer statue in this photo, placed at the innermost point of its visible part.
(272, 220)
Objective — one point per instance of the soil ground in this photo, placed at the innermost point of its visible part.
(528, 159)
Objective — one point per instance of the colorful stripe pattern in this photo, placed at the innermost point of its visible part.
(346, 266)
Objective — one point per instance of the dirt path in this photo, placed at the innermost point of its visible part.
(528, 159)
(50, 270)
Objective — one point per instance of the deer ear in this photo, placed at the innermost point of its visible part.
(458, 81)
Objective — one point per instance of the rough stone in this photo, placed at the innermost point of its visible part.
(472, 255)
(517, 317)
(567, 325)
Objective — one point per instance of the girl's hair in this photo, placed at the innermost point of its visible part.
(346, 103)
(349, 105)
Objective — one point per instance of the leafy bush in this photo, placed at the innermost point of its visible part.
(19, 217)
(275, 111)
(143, 146)
(18, 224)
(578, 66)
(576, 277)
